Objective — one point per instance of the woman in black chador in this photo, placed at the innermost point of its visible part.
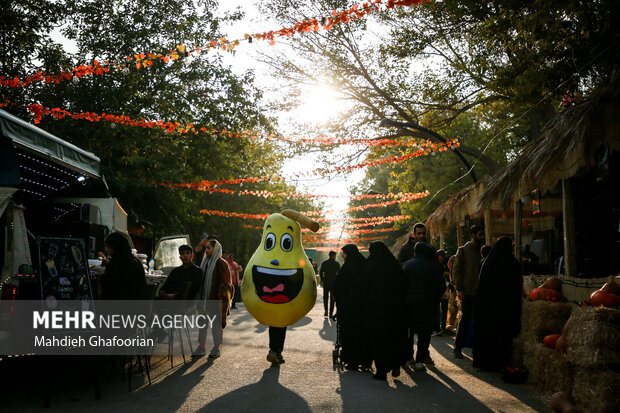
(385, 310)
(124, 277)
(497, 309)
(349, 292)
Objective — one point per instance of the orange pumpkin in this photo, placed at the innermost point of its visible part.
(550, 340)
(540, 294)
(552, 283)
(600, 297)
(611, 288)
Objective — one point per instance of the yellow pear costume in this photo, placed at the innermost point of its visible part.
(279, 283)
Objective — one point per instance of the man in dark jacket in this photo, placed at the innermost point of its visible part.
(425, 286)
(407, 251)
(187, 272)
(328, 272)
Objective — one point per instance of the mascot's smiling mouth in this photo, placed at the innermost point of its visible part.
(277, 286)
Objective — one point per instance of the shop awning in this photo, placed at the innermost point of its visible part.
(46, 145)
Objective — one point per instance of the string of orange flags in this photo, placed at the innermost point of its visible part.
(204, 184)
(342, 240)
(288, 195)
(349, 230)
(146, 60)
(396, 198)
(377, 220)
(38, 111)
(411, 197)
(332, 248)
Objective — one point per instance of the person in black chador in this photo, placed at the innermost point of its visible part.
(124, 276)
(349, 291)
(497, 308)
(425, 286)
(329, 271)
(386, 310)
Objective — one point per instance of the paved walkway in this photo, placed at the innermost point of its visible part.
(243, 381)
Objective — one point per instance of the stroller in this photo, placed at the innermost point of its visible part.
(337, 351)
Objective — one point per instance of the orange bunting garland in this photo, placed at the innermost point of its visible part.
(145, 60)
(332, 248)
(342, 240)
(350, 229)
(264, 216)
(204, 185)
(410, 197)
(269, 194)
(38, 111)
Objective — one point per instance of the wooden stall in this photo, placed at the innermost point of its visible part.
(575, 164)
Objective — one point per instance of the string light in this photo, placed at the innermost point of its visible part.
(71, 174)
(65, 183)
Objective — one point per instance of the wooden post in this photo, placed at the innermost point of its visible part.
(570, 263)
(459, 234)
(517, 228)
(442, 241)
(488, 226)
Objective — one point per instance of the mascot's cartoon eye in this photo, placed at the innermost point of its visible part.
(270, 241)
(286, 242)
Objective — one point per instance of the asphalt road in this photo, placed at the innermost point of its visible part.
(243, 381)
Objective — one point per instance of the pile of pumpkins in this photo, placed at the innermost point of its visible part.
(549, 291)
(608, 296)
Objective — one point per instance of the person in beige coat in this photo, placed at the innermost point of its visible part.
(465, 274)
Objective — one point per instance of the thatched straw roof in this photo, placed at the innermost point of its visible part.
(457, 206)
(568, 145)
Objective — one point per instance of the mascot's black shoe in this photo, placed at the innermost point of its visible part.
(274, 358)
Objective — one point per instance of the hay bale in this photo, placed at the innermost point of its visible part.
(541, 318)
(594, 338)
(549, 370)
(518, 351)
(597, 392)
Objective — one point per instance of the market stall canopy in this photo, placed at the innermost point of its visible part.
(41, 143)
(573, 141)
(456, 207)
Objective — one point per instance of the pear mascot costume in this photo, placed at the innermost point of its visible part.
(279, 284)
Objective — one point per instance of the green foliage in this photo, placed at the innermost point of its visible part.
(202, 92)
(488, 73)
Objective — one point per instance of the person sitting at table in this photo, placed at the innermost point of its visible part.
(187, 271)
(124, 277)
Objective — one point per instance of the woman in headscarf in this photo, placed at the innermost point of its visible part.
(124, 276)
(217, 285)
(497, 309)
(385, 310)
(349, 292)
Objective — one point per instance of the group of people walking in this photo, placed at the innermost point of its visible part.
(383, 301)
